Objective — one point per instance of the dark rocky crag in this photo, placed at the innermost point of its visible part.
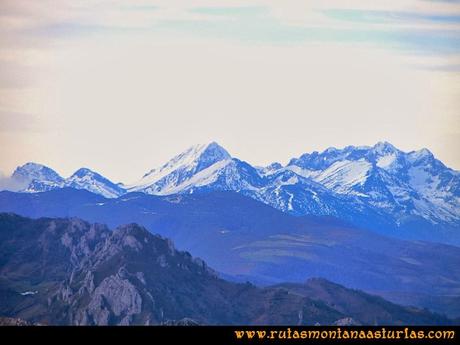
(67, 271)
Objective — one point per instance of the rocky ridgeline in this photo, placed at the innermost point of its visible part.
(67, 271)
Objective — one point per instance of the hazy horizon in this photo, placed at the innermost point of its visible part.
(121, 87)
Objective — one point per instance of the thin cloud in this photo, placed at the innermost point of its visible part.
(92, 72)
(407, 25)
(10, 184)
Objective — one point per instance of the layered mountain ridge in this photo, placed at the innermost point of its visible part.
(70, 272)
(247, 240)
(380, 188)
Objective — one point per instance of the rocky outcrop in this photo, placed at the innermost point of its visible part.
(346, 321)
(66, 271)
(181, 322)
(11, 321)
(115, 300)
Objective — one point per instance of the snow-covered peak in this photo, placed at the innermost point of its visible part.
(419, 155)
(386, 156)
(208, 154)
(34, 177)
(384, 148)
(193, 160)
(344, 176)
(380, 177)
(331, 150)
(34, 171)
(197, 157)
(87, 179)
(88, 174)
(83, 172)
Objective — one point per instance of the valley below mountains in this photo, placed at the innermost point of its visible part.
(67, 271)
(246, 240)
(315, 240)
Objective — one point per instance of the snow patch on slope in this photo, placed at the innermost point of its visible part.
(307, 173)
(202, 178)
(93, 182)
(342, 176)
(386, 161)
(189, 162)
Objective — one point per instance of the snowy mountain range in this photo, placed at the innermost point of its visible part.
(378, 187)
(33, 177)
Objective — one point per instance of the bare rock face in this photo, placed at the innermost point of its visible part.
(66, 271)
(182, 322)
(100, 296)
(11, 321)
(80, 238)
(117, 295)
(346, 321)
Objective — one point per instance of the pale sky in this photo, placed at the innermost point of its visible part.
(122, 86)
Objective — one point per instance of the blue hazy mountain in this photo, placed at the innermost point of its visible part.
(70, 272)
(406, 194)
(248, 240)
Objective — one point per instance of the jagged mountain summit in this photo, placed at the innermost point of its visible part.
(378, 187)
(34, 177)
(413, 184)
(91, 181)
(197, 166)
